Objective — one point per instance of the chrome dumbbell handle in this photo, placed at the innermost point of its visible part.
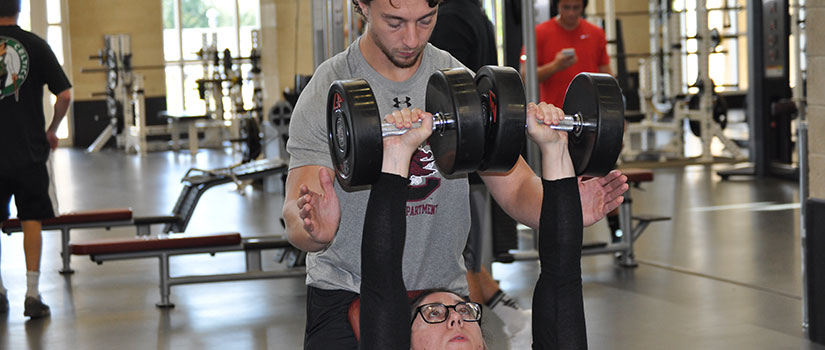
(441, 122)
(573, 124)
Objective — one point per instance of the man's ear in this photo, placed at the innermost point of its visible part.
(365, 9)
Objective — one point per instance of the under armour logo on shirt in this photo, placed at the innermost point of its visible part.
(583, 36)
(398, 102)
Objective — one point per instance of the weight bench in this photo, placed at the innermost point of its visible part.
(165, 247)
(180, 123)
(627, 219)
(87, 219)
(197, 181)
(630, 232)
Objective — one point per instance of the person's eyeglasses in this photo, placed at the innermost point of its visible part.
(438, 312)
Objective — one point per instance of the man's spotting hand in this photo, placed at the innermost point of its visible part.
(320, 212)
(600, 195)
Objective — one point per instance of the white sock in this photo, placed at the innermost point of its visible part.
(32, 281)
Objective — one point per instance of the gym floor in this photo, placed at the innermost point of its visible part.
(724, 272)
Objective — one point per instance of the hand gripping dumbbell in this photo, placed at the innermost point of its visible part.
(355, 130)
(593, 107)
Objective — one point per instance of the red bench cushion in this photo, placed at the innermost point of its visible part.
(77, 217)
(154, 243)
(354, 312)
(638, 175)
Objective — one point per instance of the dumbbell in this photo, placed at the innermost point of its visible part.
(477, 125)
(355, 131)
(593, 107)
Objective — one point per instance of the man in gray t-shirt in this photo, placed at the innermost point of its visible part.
(394, 57)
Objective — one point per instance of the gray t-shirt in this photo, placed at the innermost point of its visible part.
(438, 215)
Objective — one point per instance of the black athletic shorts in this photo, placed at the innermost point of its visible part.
(327, 324)
(30, 188)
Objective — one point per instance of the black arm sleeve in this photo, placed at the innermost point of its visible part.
(558, 305)
(385, 314)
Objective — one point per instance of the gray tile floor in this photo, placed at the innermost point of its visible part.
(723, 273)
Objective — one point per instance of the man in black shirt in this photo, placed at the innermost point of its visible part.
(26, 64)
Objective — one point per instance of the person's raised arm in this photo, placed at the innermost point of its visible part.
(385, 322)
(557, 298)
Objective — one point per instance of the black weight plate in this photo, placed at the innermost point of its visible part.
(112, 107)
(111, 80)
(354, 132)
(503, 104)
(251, 139)
(457, 148)
(598, 98)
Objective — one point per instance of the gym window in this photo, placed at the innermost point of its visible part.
(724, 67)
(184, 24)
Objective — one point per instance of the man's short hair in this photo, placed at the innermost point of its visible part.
(432, 3)
(9, 8)
(554, 7)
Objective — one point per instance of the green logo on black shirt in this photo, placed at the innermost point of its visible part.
(14, 66)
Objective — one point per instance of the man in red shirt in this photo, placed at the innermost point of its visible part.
(567, 45)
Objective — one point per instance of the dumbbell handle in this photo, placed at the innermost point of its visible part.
(441, 121)
(573, 124)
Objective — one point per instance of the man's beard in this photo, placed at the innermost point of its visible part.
(392, 59)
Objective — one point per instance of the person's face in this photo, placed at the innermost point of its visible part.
(454, 333)
(400, 31)
(570, 11)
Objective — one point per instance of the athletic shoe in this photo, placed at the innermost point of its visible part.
(517, 321)
(35, 308)
(521, 334)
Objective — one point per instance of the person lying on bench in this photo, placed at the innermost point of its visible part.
(440, 318)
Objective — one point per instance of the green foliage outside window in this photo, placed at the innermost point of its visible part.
(194, 14)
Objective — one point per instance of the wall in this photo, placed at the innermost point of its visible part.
(286, 29)
(816, 97)
(635, 30)
(90, 20)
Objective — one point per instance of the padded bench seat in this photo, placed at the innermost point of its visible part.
(106, 218)
(638, 175)
(81, 218)
(154, 243)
